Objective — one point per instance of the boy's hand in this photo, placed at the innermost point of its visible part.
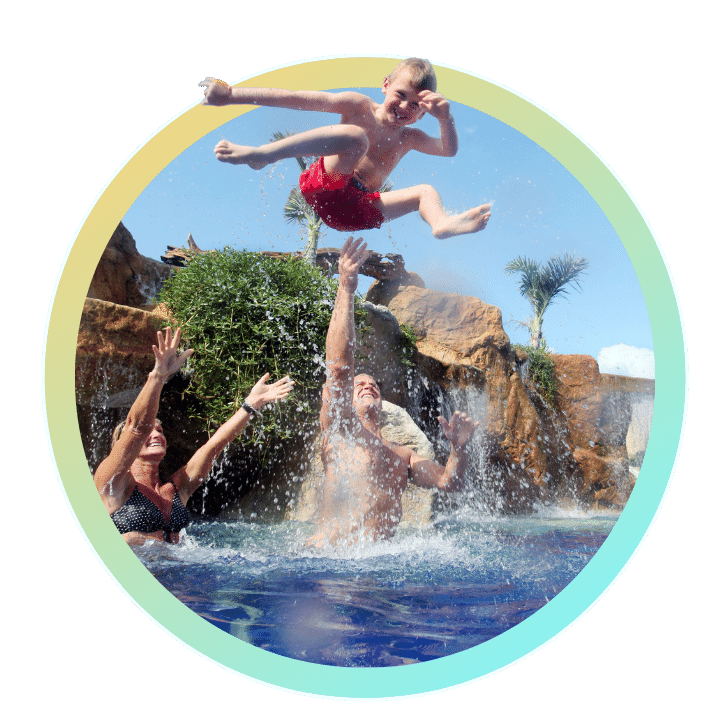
(217, 93)
(434, 104)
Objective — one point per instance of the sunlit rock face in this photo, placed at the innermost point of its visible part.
(575, 451)
(124, 276)
(114, 350)
(597, 420)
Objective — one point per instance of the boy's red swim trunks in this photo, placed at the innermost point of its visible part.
(340, 200)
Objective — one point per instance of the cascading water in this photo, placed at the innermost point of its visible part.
(431, 591)
(434, 589)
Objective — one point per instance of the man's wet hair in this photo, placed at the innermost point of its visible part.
(420, 72)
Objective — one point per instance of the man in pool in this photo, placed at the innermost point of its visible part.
(366, 474)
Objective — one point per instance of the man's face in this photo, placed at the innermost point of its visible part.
(366, 390)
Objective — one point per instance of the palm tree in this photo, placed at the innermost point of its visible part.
(541, 284)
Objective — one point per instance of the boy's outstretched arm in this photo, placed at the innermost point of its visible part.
(446, 145)
(219, 93)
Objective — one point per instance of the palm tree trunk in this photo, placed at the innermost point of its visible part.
(536, 331)
(312, 245)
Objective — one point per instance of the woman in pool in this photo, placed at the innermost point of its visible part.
(140, 504)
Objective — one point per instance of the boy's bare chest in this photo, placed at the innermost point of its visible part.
(380, 160)
(386, 147)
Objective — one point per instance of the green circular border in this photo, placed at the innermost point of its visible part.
(478, 661)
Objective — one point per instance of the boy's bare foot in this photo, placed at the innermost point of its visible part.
(237, 154)
(467, 223)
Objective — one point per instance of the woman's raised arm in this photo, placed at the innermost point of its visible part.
(187, 479)
(112, 477)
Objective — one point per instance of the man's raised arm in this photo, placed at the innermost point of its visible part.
(341, 339)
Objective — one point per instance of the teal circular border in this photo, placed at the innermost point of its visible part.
(470, 664)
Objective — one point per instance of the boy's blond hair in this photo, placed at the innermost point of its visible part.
(420, 72)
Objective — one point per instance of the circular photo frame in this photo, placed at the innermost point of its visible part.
(603, 568)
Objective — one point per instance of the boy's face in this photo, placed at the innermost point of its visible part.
(401, 103)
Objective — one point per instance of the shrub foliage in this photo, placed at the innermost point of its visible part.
(541, 370)
(245, 314)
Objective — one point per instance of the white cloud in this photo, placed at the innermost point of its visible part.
(627, 360)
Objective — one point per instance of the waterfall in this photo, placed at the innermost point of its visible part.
(638, 432)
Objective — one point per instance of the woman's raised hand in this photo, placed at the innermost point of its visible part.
(264, 392)
(166, 360)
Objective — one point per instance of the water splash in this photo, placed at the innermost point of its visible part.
(424, 594)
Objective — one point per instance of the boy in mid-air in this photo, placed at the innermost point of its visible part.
(358, 154)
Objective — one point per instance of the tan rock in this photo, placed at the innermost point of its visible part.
(598, 417)
(124, 276)
(114, 350)
(435, 316)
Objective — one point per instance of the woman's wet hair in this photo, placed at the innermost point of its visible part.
(420, 71)
(120, 427)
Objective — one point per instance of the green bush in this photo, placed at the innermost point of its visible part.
(408, 344)
(541, 371)
(245, 314)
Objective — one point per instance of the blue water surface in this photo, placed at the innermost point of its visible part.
(426, 593)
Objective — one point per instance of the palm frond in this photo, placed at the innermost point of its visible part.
(541, 285)
(296, 209)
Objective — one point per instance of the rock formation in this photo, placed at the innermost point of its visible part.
(528, 452)
(123, 276)
(535, 452)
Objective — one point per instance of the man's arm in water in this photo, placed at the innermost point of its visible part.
(429, 474)
(337, 395)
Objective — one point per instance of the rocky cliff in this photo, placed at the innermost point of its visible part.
(528, 451)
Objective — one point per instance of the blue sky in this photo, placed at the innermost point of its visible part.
(539, 210)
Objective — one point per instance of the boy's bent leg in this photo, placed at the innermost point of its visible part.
(426, 200)
(343, 146)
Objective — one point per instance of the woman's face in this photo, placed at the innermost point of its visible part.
(156, 444)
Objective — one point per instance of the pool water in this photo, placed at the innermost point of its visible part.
(422, 595)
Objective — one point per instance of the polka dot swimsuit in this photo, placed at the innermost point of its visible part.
(141, 514)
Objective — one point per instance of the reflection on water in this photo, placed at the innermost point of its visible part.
(422, 595)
